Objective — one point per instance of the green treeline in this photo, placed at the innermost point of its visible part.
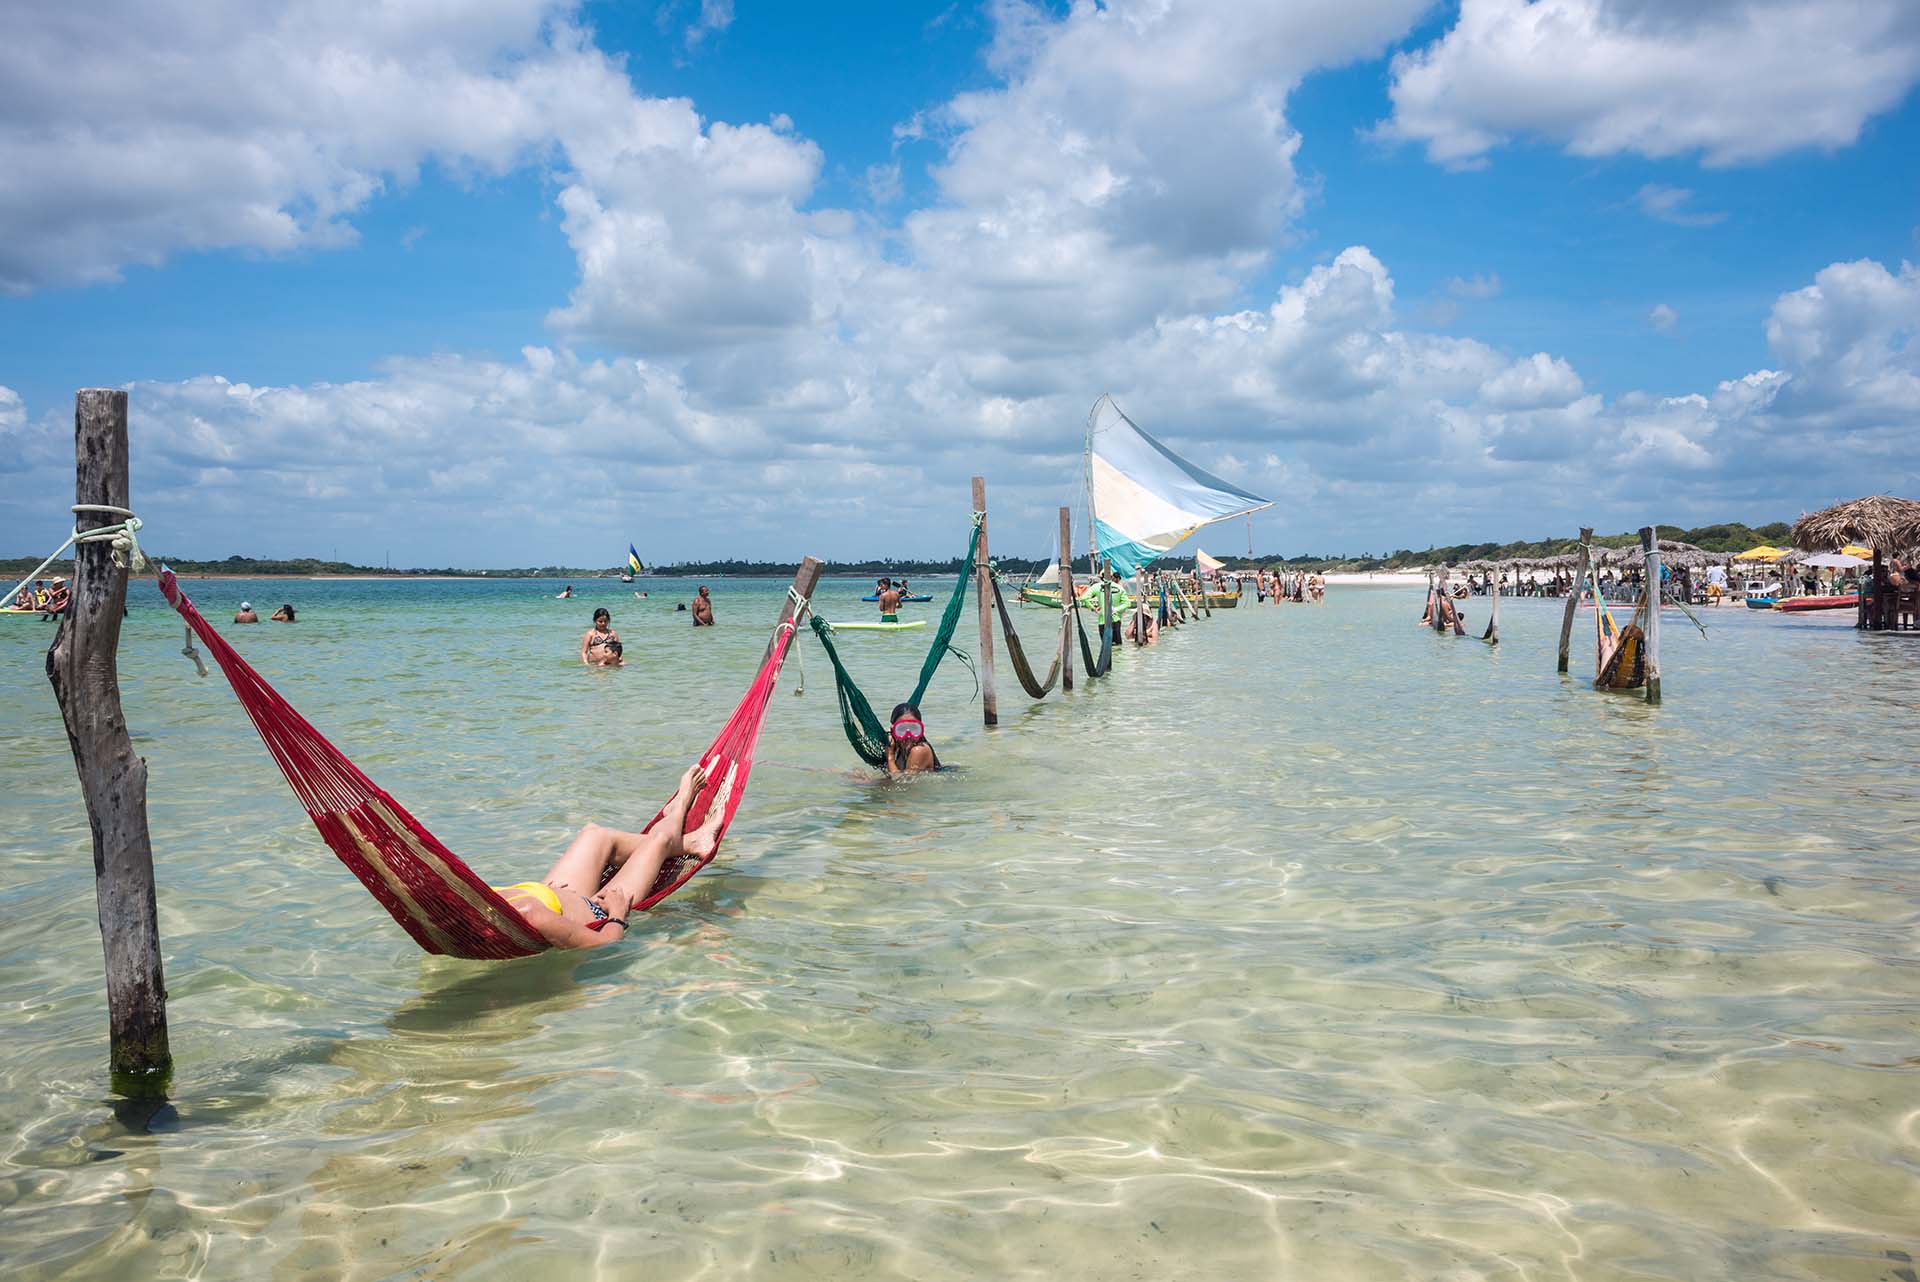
(1728, 537)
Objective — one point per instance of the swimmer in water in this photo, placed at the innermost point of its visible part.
(600, 647)
(908, 752)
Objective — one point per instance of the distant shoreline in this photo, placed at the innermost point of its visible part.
(211, 575)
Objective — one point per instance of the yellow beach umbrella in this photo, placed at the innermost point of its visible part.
(1761, 553)
(1854, 549)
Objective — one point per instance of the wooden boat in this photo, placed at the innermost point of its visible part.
(1223, 600)
(1089, 595)
(1761, 603)
(1797, 604)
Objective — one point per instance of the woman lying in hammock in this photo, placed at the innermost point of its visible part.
(567, 906)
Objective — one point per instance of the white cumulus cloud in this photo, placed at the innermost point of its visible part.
(132, 130)
(1732, 80)
(1100, 217)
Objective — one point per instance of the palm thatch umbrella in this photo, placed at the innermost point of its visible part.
(1879, 521)
(1882, 522)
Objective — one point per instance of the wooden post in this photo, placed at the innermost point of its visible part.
(83, 665)
(805, 579)
(1066, 598)
(1655, 596)
(1573, 596)
(1867, 612)
(1492, 636)
(983, 584)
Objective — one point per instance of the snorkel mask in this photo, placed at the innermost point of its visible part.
(907, 730)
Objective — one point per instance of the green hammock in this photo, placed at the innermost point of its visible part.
(1094, 670)
(1022, 669)
(864, 729)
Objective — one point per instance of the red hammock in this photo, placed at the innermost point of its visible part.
(440, 901)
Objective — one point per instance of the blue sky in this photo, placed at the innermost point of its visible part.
(502, 285)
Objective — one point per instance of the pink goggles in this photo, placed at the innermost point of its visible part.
(906, 728)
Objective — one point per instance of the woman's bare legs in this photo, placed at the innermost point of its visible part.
(666, 842)
(700, 843)
(584, 865)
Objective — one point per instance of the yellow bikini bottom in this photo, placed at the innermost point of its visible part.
(545, 894)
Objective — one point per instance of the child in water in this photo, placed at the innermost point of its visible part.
(908, 751)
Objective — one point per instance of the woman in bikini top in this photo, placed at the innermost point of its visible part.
(600, 647)
(588, 892)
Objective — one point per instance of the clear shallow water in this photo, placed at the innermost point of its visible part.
(1313, 945)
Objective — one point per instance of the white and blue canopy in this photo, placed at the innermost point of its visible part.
(1146, 498)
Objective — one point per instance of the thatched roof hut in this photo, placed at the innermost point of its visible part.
(1675, 554)
(1879, 521)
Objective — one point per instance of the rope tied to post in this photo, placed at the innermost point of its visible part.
(121, 534)
(792, 624)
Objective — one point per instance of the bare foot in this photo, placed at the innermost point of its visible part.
(704, 840)
(690, 785)
(692, 782)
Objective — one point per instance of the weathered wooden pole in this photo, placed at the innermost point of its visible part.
(83, 665)
(1655, 597)
(1066, 597)
(983, 590)
(1573, 596)
(1492, 636)
(805, 579)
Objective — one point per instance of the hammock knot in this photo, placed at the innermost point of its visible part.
(121, 534)
(126, 548)
(979, 519)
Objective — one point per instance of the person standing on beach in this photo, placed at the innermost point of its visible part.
(889, 602)
(703, 609)
(245, 613)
